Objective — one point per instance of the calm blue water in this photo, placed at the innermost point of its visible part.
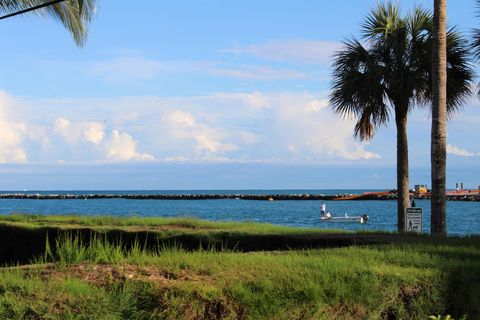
(463, 218)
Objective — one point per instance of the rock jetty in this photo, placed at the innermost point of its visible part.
(194, 196)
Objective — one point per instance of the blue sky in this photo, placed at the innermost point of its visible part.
(202, 95)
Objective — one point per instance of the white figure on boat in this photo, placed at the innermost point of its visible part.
(327, 216)
(323, 212)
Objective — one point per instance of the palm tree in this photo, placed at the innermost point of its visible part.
(439, 119)
(75, 15)
(390, 73)
(476, 35)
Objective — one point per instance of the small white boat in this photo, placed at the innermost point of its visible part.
(351, 219)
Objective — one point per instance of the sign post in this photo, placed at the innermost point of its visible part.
(414, 220)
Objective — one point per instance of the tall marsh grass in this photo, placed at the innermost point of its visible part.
(70, 248)
(368, 282)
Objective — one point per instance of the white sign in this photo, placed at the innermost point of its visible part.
(413, 220)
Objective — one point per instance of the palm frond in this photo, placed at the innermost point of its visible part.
(382, 21)
(419, 22)
(75, 15)
(357, 88)
(393, 71)
(460, 72)
(364, 128)
(475, 45)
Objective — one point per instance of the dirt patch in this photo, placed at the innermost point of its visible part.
(346, 310)
(155, 300)
(178, 227)
(107, 274)
(185, 228)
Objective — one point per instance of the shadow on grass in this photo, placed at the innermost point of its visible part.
(462, 282)
(463, 291)
(19, 245)
(459, 266)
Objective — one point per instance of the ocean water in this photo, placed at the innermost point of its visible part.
(463, 218)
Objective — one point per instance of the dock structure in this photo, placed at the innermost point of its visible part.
(465, 195)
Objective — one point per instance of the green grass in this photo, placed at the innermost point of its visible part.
(146, 223)
(32, 297)
(82, 274)
(23, 236)
(370, 282)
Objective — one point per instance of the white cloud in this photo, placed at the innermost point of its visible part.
(308, 127)
(94, 132)
(74, 133)
(242, 100)
(12, 136)
(12, 133)
(63, 127)
(180, 118)
(316, 106)
(208, 141)
(256, 72)
(137, 68)
(176, 159)
(127, 68)
(122, 147)
(301, 51)
(459, 152)
(134, 68)
(245, 127)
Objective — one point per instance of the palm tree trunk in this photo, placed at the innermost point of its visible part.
(439, 119)
(402, 168)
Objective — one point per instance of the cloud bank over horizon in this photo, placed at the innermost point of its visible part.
(219, 127)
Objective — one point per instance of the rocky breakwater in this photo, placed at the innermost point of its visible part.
(469, 197)
(265, 197)
(425, 196)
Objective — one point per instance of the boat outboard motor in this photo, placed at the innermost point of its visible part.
(364, 219)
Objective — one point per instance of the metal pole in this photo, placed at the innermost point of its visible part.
(46, 4)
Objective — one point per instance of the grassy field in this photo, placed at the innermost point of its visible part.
(149, 223)
(98, 277)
